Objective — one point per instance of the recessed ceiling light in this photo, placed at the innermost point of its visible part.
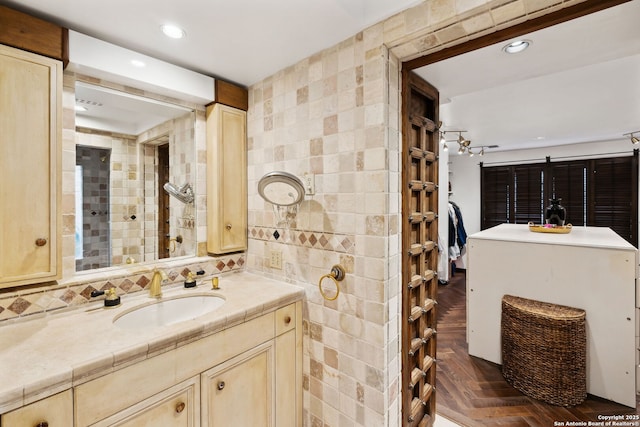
(137, 63)
(173, 31)
(517, 46)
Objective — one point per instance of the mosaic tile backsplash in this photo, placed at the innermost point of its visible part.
(28, 302)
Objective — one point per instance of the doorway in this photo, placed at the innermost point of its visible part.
(544, 21)
(93, 224)
(164, 208)
(420, 243)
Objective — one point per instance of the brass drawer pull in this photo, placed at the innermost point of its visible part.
(221, 385)
(287, 320)
(180, 407)
(42, 424)
(228, 226)
(41, 241)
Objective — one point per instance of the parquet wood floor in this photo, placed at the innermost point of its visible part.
(472, 392)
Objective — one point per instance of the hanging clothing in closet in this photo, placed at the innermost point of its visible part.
(457, 233)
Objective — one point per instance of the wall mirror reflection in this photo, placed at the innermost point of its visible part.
(127, 148)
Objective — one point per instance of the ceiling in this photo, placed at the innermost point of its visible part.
(579, 81)
(243, 41)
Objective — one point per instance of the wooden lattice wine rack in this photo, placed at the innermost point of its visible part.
(420, 253)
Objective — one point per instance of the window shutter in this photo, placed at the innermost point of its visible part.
(598, 193)
(612, 191)
(569, 183)
(495, 185)
(528, 194)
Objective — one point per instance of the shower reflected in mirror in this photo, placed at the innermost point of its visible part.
(184, 193)
(127, 148)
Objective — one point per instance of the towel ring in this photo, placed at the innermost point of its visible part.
(337, 275)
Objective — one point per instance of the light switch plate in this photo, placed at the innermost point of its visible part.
(309, 180)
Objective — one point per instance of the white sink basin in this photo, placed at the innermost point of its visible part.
(168, 311)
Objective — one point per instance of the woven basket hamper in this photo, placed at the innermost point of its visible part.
(544, 350)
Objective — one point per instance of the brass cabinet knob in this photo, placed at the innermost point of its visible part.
(228, 227)
(42, 424)
(287, 320)
(41, 241)
(180, 407)
(221, 385)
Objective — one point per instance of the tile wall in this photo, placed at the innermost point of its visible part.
(336, 115)
(124, 188)
(179, 134)
(93, 244)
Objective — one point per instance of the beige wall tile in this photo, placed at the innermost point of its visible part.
(346, 130)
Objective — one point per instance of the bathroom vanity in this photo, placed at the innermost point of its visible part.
(240, 364)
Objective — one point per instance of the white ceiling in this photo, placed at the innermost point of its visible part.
(242, 41)
(580, 81)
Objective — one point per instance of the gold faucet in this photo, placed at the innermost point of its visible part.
(155, 289)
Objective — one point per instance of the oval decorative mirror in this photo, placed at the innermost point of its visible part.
(281, 188)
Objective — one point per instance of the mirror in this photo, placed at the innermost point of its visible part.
(127, 148)
(284, 191)
(281, 188)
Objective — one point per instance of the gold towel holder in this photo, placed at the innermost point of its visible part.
(337, 275)
(172, 243)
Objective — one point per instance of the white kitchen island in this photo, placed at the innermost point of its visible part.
(591, 268)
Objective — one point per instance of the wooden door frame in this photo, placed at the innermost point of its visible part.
(566, 14)
(164, 202)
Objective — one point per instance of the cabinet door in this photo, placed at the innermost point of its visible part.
(54, 411)
(227, 179)
(178, 406)
(240, 392)
(30, 164)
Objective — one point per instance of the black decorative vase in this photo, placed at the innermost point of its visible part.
(555, 213)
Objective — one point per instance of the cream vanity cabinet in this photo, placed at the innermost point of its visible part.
(250, 374)
(226, 179)
(54, 411)
(259, 388)
(240, 392)
(30, 165)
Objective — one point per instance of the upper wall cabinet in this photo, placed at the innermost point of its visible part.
(227, 179)
(30, 165)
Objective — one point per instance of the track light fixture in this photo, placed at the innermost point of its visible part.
(634, 139)
(464, 145)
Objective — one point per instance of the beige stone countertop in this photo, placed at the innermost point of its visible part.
(45, 355)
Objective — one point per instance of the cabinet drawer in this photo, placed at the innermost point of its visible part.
(56, 410)
(285, 319)
(102, 397)
(178, 406)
